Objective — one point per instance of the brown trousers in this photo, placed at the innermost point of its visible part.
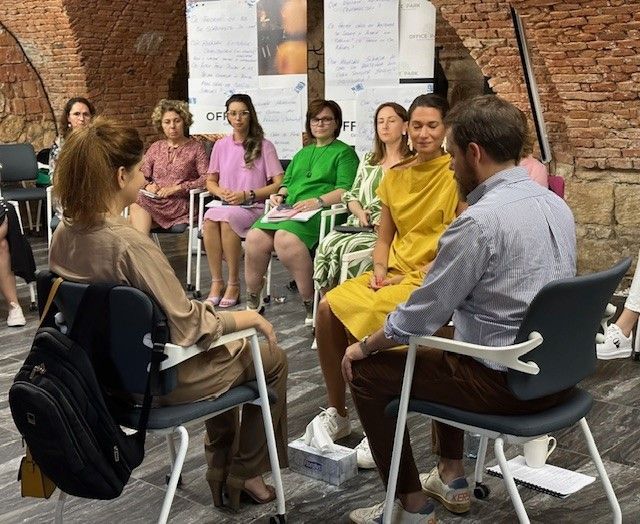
(241, 448)
(441, 377)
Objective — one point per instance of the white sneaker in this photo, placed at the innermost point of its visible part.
(16, 317)
(363, 453)
(337, 427)
(373, 515)
(615, 344)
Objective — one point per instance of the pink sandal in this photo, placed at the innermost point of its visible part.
(215, 300)
(230, 302)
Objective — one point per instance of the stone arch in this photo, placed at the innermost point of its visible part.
(45, 32)
(25, 112)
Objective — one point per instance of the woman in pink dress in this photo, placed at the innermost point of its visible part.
(172, 167)
(243, 172)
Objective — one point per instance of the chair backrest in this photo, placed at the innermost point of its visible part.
(132, 318)
(18, 162)
(556, 184)
(567, 313)
(43, 156)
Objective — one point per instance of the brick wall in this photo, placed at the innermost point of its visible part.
(25, 113)
(586, 60)
(120, 54)
(126, 55)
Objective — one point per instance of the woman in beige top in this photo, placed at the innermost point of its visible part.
(97, 176)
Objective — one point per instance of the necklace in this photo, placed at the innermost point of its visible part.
(313, 157)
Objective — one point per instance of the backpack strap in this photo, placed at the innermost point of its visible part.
(47, 306)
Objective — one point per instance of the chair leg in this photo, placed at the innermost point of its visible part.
(38, 216)
(196, 293)
(268, 425)
(266, 293)
(399, 436)
(482, 453)
(595, 456)
(508, 480)
(176, 470)
(60, 507)
(172, 450)
(29, 217)
(32, 294)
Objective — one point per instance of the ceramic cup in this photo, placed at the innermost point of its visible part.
(537, 451)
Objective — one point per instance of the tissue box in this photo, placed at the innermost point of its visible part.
(334, 467)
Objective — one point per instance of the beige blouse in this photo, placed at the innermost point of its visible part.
(116, 252)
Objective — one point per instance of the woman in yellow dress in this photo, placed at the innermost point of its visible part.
(419, 200)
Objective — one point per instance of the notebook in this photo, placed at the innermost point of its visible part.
(548, 479)
(286, 212)
(220, 203)
(149, 194)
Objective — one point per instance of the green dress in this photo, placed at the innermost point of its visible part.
(328, 259)
(313, 172)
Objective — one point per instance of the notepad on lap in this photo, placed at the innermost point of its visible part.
(548, 479)
(149, 194)
(286, 212)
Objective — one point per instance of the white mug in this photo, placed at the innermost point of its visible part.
(536, 451)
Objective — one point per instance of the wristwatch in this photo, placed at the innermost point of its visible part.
(320, 202)
(252, 196)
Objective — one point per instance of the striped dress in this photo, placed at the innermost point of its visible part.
(328, 259)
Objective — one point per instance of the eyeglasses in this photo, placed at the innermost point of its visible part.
(323, 121)
(241, 114)
(78, 114)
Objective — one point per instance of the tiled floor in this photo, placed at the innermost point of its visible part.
(615, 422)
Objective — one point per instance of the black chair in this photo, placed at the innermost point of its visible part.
(18, 165)
(557, 335)
(133, 319)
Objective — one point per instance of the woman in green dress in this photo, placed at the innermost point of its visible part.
(317, 177)
(390, 146)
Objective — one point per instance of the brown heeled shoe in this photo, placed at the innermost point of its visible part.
(236, 490)
(216, 479)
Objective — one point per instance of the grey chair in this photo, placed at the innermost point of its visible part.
(557, 335)
(18, 164)
(136, 327)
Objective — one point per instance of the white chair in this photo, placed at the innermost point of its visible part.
(347, 259)
(204, 197)
(557, 335)
(138, 327)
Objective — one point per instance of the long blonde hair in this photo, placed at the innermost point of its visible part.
(87, 168)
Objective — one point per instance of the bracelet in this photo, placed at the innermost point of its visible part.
(320, 202)
(252, 196)
(244, 197)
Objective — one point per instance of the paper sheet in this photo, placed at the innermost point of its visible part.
(548, 479)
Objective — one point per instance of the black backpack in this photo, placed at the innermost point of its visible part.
(58, 405)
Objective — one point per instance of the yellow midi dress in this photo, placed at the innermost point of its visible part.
(422, 200)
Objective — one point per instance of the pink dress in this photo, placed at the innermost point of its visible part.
(227, 159)
(188, 168)
(538, 172)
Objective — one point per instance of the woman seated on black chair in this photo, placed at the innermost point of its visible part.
(16, 258)
(98, 175)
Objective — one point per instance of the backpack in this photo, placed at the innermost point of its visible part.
(58, 405)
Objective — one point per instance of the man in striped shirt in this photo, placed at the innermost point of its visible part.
(514, 238)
